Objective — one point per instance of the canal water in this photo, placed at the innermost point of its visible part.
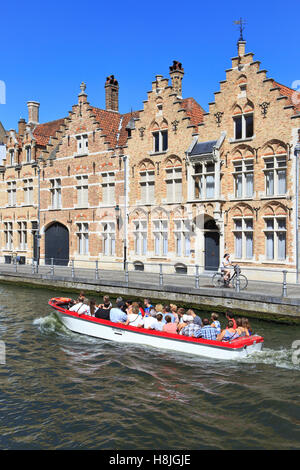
(60, 390)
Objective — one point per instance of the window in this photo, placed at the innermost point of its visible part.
(140, 237)
(28, 154)
(109, 238)
(275, 238)
(243, 126)
(11, 193)
(8, 235)
(82, 238)
(174, 184)
(82, 191)
(204, 180)
(243, 176)
(108, 188)
(28, 191)
(160, 232)
(275, 175)
(22, 235)
(243, 238)
(182, 237)
(160, 141)
(55, 190)
(82, 144)
(12, 157)
(147, 185)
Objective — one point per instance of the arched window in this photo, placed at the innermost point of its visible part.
(147, 181)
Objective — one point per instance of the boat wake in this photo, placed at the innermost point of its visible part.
(282, 358)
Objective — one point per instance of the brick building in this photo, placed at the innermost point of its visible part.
(169, 183)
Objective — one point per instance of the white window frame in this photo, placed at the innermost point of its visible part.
(160, 234)
(109, 238)
(202, 176)
(243, 118)
(276, 161)
(182, 235)
(22, 235)
(241, 171)
(147, 179)
(161, 147)
(11, 193)
(82, 234)
(140, 236)
(28, 154)
(108, 188)
(275, 230)
(82, 144)
(55, 193)
(82, 189)
(243, 231)
(8, 234)
(28, 191)
(174, 179)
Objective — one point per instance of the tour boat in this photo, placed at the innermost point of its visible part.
(98, 328)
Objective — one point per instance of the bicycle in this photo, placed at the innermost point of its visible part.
(219, 281)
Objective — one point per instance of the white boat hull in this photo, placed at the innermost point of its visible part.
(117, 332)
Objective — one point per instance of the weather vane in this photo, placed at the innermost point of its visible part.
(241, 24)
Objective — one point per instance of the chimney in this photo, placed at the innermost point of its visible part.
(33, 112)
(176, 74)
(111, 94)
(241, 45)
(22, 127)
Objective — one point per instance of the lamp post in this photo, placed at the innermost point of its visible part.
(297, 154)
(36, 165)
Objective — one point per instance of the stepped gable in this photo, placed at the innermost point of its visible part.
(193, 110)
(42, 132)
(125, 121)
(109, 122)
(289, 92)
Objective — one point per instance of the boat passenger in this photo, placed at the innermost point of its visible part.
(147, 305)
(158, 326)
(192, 330)
(134, 317)
(196, 318)
(230, 317)
(117, 315)
(180, 313)
(169, 326)
(104, 309)
(247, 326)
(82, 308)
(229, 333)
(167, 311)
(149, 320)
(241, 330)
(215, 322)
(81, 297)
(173, 308)
(208, 331)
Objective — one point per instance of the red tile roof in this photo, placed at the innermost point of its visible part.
(193, 110)
(43, 132)
(293, 96)
(109, 122)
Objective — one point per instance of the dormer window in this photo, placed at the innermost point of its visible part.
(28, 154)
(82, 144)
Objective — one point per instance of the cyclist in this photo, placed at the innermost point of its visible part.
(225, 267)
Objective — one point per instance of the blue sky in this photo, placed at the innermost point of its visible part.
(47, 49)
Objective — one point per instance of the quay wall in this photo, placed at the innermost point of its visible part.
(264, 307)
